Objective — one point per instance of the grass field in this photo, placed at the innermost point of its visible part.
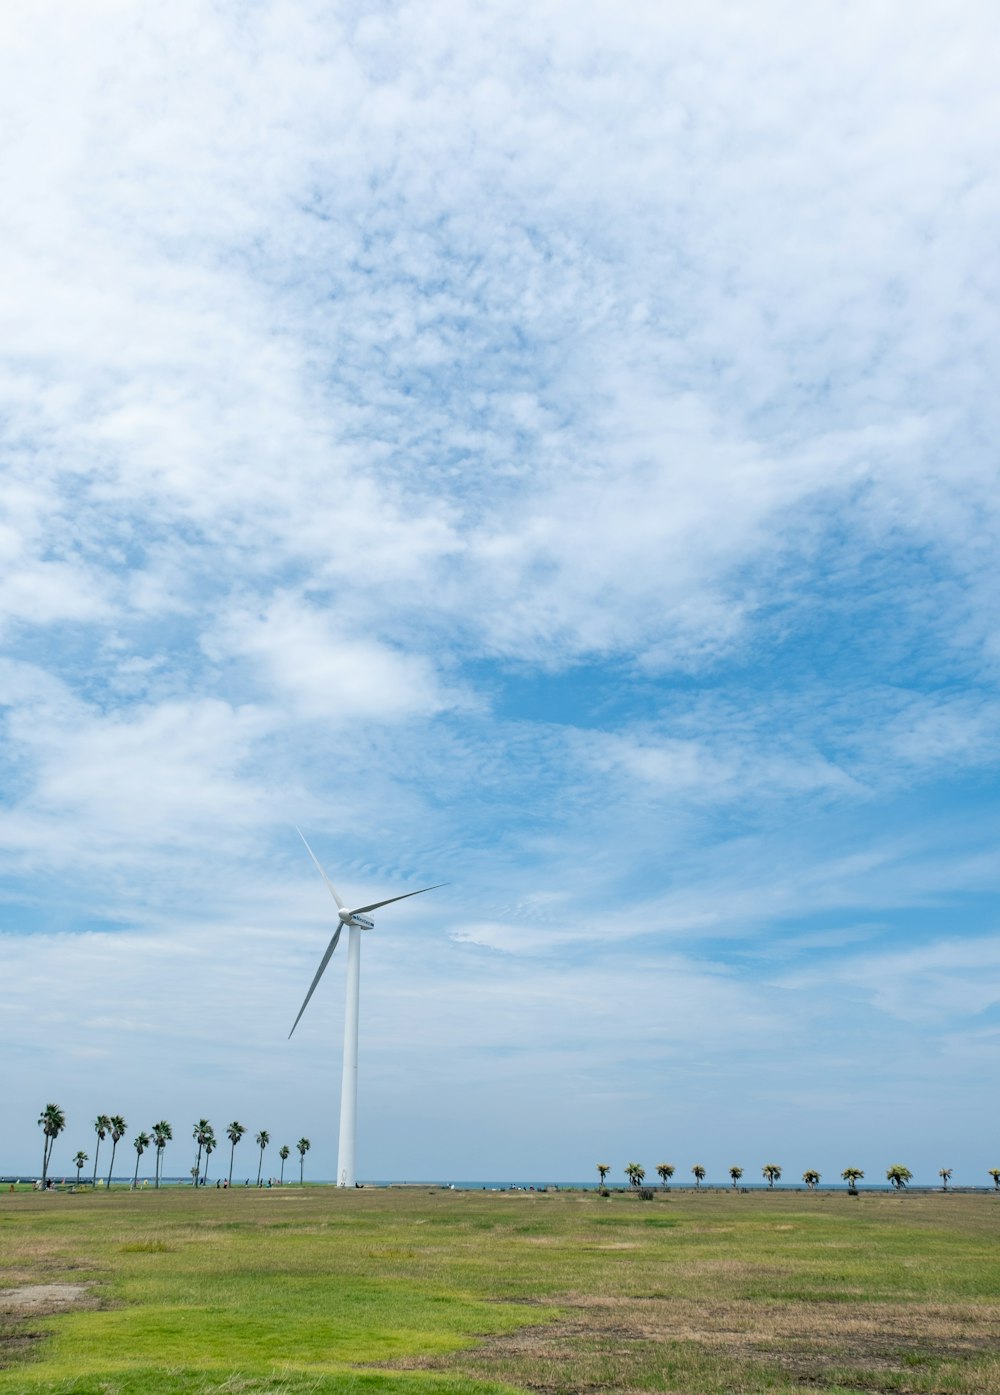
(315, 1290)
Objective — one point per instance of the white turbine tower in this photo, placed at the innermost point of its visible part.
(356, 920)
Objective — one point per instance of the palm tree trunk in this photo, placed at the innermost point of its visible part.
(97, 1154)
(232, 1154)
(302, 1164)
(114, 1148)
(135, 1175)
(282, 1181)
(197, 1166)
(45, 1159)
(260, 1164)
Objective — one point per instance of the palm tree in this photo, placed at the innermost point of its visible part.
(200, 1132)
(78, 1162)
(666, 1171)
(635, 1172)
(852, 1176)
(945, 1175)
(772, 1172)
(603, 1170)
(162, 1134)
(235, 1131)
(303, 1146)
(210, 1147)
(263, 1139)
(699, 1174)
(898, 1175)
(283, 1153)
(118, 1127)
(101, 1126)
(811, 1178)
(140, 1143)
(51, 1121)
(735, 1173)
(994, 1172)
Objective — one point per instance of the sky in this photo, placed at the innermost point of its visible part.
(550, 453)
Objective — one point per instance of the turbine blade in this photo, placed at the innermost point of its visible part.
(376, 905)
(319, 974)
(329, 883)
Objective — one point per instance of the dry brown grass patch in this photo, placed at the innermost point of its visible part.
(879, 1333)
(616, 1343)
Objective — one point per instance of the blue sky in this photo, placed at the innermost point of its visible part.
(557, 459)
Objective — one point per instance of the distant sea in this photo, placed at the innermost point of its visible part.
(433, 1184)
(508, 1186)
(656, 1187)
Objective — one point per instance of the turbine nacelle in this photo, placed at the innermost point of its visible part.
(354, 918)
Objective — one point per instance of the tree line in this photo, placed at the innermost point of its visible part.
(897, 1175)
(52, 1122)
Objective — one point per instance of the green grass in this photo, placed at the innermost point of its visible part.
(318, 1290)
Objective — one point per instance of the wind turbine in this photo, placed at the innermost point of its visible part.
(356, 920)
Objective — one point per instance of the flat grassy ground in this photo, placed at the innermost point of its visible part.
(316, 1290)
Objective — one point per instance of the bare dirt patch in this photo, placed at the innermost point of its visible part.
(20, 1306)
(39, 1299)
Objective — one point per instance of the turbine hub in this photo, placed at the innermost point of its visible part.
(345, 915)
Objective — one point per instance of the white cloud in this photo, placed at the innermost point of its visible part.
(325, 674)
(112, 788)
(705, 769)
(930, 984)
